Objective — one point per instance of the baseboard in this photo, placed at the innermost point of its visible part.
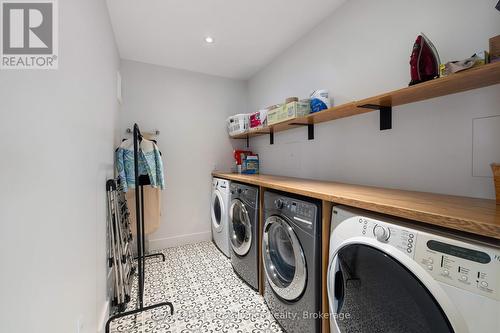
(103, 317)
(163, 243)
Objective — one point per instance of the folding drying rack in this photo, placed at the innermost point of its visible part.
(141, 255)
(120, 258)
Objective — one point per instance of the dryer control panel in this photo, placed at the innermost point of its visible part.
(301, 212)
(249, 194)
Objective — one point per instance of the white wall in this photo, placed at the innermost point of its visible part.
(190, 110)
(363, 49)
(58, 131)
(59, 135)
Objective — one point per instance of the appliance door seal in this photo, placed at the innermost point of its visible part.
(368, 282)
(217, 210)
(284, 260)
(241, 228)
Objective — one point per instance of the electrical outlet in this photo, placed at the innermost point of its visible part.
(80, 325)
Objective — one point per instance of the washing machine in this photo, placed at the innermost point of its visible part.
(385, 275)
(219, 210)
(244, 232)
(291, 253)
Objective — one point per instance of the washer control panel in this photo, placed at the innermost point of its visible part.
(454, 262)
(463, 265)
(400, 238)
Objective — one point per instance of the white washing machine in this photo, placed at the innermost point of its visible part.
(385, 275)
(221, 199)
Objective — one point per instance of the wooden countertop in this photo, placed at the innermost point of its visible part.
(476, 216)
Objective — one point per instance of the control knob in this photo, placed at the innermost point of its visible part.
(278, 203)
(381, 233)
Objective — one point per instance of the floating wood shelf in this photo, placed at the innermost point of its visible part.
(474, 78)
(471, 215)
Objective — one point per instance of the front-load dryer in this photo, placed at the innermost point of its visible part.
(221, 198)
(385, 275)
(291, 253)
(244, 232)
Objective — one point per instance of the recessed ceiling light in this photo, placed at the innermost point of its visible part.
(209, 40)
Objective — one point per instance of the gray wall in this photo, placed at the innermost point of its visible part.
(361, 50)
(58, 133)
(190, 110)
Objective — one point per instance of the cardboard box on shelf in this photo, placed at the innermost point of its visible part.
(273, 115)
(296, 109)
(258, 119)
(289, 111)
(250, 165)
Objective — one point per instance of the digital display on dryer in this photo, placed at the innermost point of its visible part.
(460, 252)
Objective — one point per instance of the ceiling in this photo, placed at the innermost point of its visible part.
(248, 34)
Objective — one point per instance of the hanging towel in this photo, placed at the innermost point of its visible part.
(152, 209)
(150, 163)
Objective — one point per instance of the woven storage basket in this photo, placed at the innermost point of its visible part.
(496, 175)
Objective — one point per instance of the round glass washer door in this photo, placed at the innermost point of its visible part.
(284, 260)
(380, 295)
(241, 229)
(217, 210)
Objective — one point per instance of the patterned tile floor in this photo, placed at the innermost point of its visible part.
(206, 293)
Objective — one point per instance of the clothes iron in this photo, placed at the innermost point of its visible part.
(424, 61)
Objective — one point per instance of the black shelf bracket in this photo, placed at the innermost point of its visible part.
(385, 114)
(248, 140)
(310, 130)
(271, 137)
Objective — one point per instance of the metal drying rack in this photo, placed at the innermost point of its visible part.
(141, 256)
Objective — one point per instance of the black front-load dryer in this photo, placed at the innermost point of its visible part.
(291, 253)
(244, 232)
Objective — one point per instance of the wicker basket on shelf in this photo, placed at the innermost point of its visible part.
(496, 175)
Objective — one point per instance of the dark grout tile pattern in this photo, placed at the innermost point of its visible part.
(206, 293)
